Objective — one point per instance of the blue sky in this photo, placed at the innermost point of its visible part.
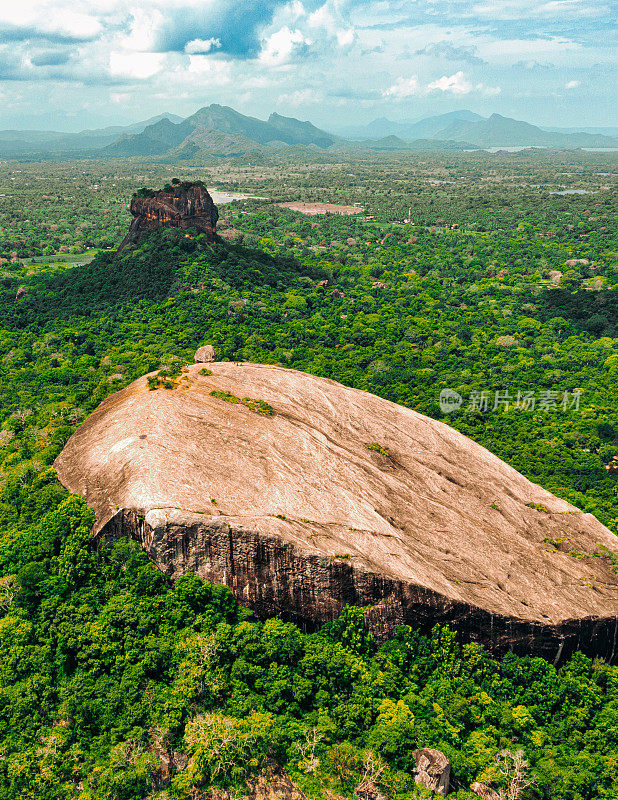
(71, 64)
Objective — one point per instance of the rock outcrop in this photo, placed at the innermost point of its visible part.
(205, 354)
(272, 783)
(484, 791)
(433, 770)
(182, 206)
(332, 495)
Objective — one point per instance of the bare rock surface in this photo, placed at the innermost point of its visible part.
(433, 770)
(343, 497)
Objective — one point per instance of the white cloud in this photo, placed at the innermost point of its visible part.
(144, 29)
(455, 84)
(47, 18)
(344, 38)
(295, 10)
(329, 18)
(403, 87)
(257, 82)
(135, 65)
(556, 9)
(279, 46)
(490, 91)
(218, 71)
(555, 49)
(202, 45)
(301, 97)
(571, 84)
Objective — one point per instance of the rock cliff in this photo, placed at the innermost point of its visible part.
(303, 495)
(180, 206)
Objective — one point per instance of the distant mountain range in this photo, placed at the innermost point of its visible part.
(193, 136)
(217, 130)
(419, 129)
(494, 131)
(17, 144)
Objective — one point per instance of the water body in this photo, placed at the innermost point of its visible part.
(573, 191)
(544, 147)
(223, 198)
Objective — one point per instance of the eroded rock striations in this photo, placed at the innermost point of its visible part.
(181, 206)
(339, 496)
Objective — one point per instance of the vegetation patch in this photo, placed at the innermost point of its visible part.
(538, 507)
(378, 448)
(166, 378)
(258, 406)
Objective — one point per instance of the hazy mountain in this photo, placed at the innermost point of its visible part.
(301, 132)
(164, 136)
(17, 143)
(611, 131)
(418, 129)
(218, 130)
(498, 131)
(396, 143)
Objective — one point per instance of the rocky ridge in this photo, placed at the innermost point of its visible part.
(337, 496)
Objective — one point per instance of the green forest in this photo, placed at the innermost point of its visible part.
(463, 272)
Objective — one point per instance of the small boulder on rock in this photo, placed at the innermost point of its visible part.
(484, 791)
(433, 770)
(204, 355)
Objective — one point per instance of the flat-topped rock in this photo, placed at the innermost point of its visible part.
(184, 205)
(339, 497)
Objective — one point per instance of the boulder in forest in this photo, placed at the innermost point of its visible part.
(433, 770)
(205, 354)
(483, 791)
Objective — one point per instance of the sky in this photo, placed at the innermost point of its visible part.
(74, 64)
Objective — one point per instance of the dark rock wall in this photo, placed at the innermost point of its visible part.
(183, 207)
(274, 578)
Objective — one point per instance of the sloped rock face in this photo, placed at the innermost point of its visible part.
(343, 497)
(183, 207)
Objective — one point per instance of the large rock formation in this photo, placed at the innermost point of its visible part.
(182, 206)
(340, 497)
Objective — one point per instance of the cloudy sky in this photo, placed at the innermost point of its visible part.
(71, 64)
